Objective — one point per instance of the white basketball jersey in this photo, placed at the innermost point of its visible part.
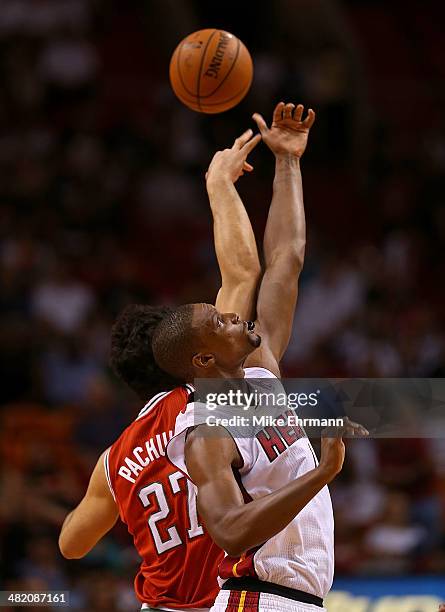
(301, 556)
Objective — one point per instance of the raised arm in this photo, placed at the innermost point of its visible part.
(235, 244)
(92, 519)
(285, 234)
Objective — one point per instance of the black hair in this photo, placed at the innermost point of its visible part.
(131, 354)
(174, 342)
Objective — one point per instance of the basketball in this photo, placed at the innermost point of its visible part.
(211, 71)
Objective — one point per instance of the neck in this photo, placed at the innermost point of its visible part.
(219, 372)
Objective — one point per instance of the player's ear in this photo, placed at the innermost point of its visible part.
(203, 360)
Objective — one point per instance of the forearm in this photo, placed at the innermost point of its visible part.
(235, 248)
(66, 522)
(70, 541)
(284, 245)
(82, 530)
(86, 525)
(250, 525)
(286, 225)
(235, 244)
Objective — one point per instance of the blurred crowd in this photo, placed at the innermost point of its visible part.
(103, 203)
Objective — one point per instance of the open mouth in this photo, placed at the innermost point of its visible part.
(250, 326)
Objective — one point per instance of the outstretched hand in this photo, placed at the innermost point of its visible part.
(288, 133)
(232, 163)
(333, 447)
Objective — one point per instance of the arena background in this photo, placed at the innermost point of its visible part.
(103, 203)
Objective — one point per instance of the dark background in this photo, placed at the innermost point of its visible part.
(103, 203)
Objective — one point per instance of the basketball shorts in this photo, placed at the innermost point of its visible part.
(246, 601)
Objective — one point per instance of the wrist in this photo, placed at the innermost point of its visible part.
(287, 158)
(325, 473)
(218, 179)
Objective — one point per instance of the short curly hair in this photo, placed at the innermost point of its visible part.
(131, 354)
(175, 341)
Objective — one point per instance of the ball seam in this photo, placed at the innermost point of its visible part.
(228, 72)
(200, 66)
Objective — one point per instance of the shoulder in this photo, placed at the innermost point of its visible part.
(175, 398)
(263, 380)
(257, 372)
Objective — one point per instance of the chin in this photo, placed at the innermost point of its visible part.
(255, 340)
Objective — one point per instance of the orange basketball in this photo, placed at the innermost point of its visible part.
(211, 71)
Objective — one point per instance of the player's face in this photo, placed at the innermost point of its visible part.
(224, 336)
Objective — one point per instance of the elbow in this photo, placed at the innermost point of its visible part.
(249, 274)
(296, 252)
(69, 550)
(235, 549)
(254, 270)
(290, 258)
(233, 546)
(233, 540)
(243, 281)
(71, 553)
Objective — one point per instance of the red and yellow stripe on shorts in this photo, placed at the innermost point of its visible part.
(243, 601)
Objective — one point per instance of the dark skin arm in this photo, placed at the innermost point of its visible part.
(285, 234)
(211, 459)
(211, 455)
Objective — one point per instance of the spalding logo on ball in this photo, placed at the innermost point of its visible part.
(211, 71)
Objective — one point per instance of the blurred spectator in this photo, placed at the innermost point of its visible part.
(327, 302)
(392, 541)
(102, 418)
(42, 562)
(67, 371)
(68, 62)
(62, 301)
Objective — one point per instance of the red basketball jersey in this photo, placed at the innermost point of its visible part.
(158, 504)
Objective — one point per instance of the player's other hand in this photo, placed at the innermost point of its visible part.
(232, 163)
(289, 132)
(333, 447)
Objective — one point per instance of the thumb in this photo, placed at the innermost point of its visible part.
(262, 126)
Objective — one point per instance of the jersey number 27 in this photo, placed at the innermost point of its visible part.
(157, 489)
